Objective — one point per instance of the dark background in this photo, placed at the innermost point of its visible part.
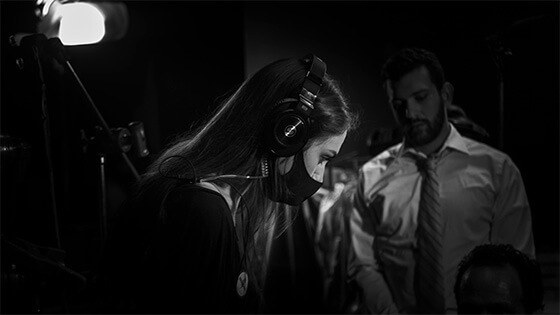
(180, 58)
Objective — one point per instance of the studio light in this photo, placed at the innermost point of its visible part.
(82, 23)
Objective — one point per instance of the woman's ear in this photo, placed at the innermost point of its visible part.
(447, 93)
(284, 164)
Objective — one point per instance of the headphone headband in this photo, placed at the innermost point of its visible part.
(290, 128)
(312, 84)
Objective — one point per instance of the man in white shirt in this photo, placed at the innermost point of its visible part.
(421, 205)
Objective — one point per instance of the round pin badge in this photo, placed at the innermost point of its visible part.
(242, 283)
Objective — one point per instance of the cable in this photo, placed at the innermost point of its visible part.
(207, 179)
(195, 179)
(264, 172)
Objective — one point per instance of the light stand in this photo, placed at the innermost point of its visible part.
(37, 43)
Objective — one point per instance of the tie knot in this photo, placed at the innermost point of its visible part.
(424, 164)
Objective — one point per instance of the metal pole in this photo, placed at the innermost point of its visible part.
(102, 200)
(48, 152)
(104, 124)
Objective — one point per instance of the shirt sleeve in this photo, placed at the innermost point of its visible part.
(377, 295)
(512, 215)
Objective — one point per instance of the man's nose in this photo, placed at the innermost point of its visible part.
(413, 110)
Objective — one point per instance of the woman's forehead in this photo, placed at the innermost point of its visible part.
(330, 143)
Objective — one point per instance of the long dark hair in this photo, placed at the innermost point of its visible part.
(232, 141)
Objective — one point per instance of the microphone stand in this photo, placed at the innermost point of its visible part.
(103, 123)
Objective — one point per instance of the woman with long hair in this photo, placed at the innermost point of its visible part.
(188, 239)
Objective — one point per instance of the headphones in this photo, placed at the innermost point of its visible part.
(290, 126)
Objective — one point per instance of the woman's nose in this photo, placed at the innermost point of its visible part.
(318, 173)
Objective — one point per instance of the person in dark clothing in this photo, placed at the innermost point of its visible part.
(190, 240)
(498, 279)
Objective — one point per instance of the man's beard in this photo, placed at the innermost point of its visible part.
(419, 132)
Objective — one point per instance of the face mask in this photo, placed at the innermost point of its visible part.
(299, 183)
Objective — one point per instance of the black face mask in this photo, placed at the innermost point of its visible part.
(300, 184)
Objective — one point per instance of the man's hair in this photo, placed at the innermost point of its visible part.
(408, 59)
(501, 255)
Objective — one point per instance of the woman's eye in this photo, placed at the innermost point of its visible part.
(325, 159)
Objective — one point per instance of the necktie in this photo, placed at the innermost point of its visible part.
(429, 235)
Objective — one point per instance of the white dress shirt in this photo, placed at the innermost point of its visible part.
(482, 198)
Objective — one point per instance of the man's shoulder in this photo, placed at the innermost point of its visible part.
(378, 167)
(481, 150)
(380, 162)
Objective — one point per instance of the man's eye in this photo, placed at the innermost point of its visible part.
(421, 98)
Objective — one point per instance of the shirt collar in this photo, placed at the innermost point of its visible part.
(454, 141)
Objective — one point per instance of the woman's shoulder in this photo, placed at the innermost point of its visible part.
(190, 201)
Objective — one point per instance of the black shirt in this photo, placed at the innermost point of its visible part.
(179, 256)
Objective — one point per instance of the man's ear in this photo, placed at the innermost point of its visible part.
(447, 93)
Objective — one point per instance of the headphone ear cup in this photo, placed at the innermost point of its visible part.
(289, 133)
